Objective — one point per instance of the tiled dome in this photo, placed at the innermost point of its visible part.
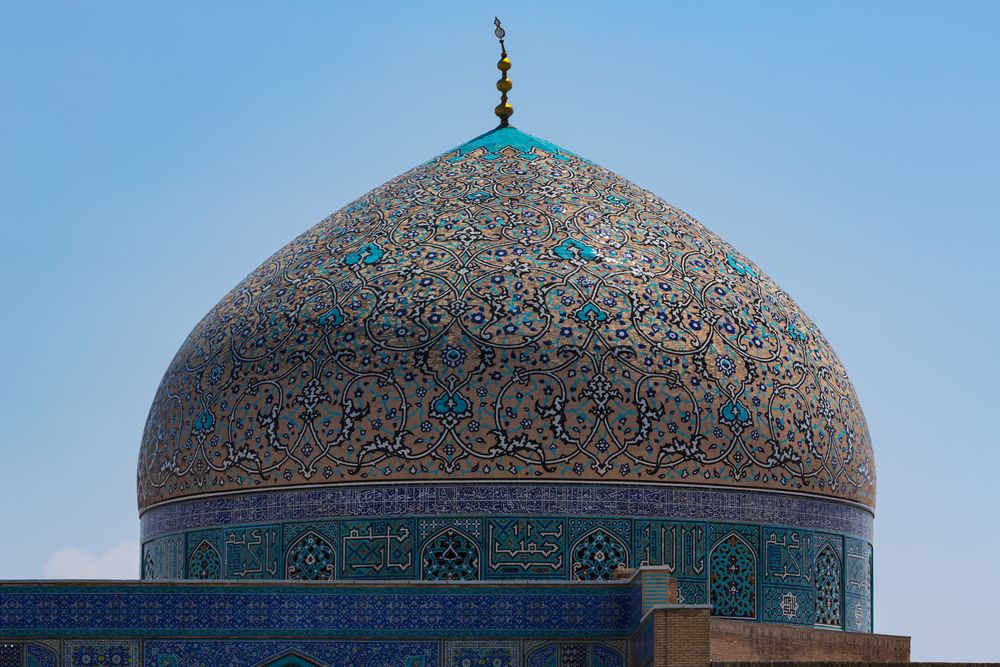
(506, 312)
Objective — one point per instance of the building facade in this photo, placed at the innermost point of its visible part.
(506, 409)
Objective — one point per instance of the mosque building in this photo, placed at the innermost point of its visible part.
(508, 409)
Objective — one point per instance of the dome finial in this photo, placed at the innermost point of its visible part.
(504, 110)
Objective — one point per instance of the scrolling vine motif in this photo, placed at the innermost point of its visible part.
(506, 311)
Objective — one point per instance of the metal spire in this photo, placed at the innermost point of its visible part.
(504, 110)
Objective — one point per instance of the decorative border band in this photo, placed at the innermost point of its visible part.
(647, 501)
(131, 609)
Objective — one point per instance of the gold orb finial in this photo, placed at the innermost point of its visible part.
(504, 110)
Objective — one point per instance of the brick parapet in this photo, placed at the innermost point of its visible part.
(741, 642)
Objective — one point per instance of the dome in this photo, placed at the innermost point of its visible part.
(506, 312)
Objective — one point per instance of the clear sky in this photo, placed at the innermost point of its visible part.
(152, 154)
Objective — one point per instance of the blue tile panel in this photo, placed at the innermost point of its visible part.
(603, 656)
(214, 653)
(212, 609)
(774, 574)
(383, 653)
(641, 643)
(11, 655)
(543, 656)
(501, 499)
(486, 653)
(40, 656)
(858, 586)
(100, 652)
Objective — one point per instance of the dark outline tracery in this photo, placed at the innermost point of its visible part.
(506, 312)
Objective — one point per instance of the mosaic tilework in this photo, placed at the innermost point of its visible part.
(767, 573)
(506, 310)
(41, 656)
(596, 555)
(204, 555)
(451, 555)
(11, 655)
(787, 556)
(253, 552)
(279, 609)
(487, 547)
(163, 558)
(360, 653)
(605, 656)
(378, 549)
(597, 547)
(544, 656)
(524, 548)
(311, 557)
(785, 604)
(483, 654)
(201, 653)
(574, 654)
(102, 652)
(788, 588)
(858, 580)
(681, 547)
(541, 499)
(828, 565)
(733, 575)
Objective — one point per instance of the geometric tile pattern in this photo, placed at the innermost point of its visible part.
(374, 610)
(829, 574)
(775, 574)
(605, 656)
(314, 652)
(204, 556)
(525, 548)
(252, 552)
(785, 604)
(185, 653)
(857, 609)
(487, 653)
(506, 311)
(546, 655)
(733, 570)
(401, 653)
(680, 546)
(596, 555)
(311, 558)
(163, 558)
(450, 555)
(382, 549)
(11, 655)
(103, 652)
(574, 655)
(788, 590)
(40, 656)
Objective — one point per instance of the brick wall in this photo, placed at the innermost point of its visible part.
(742, 642)
(687, 636)
(682, 636)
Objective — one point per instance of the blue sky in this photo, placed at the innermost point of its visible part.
(152, 154)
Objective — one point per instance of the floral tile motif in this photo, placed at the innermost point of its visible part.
(101, 652)
(506, 310)
(37, 655)
(291, 653)
(483, 654)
